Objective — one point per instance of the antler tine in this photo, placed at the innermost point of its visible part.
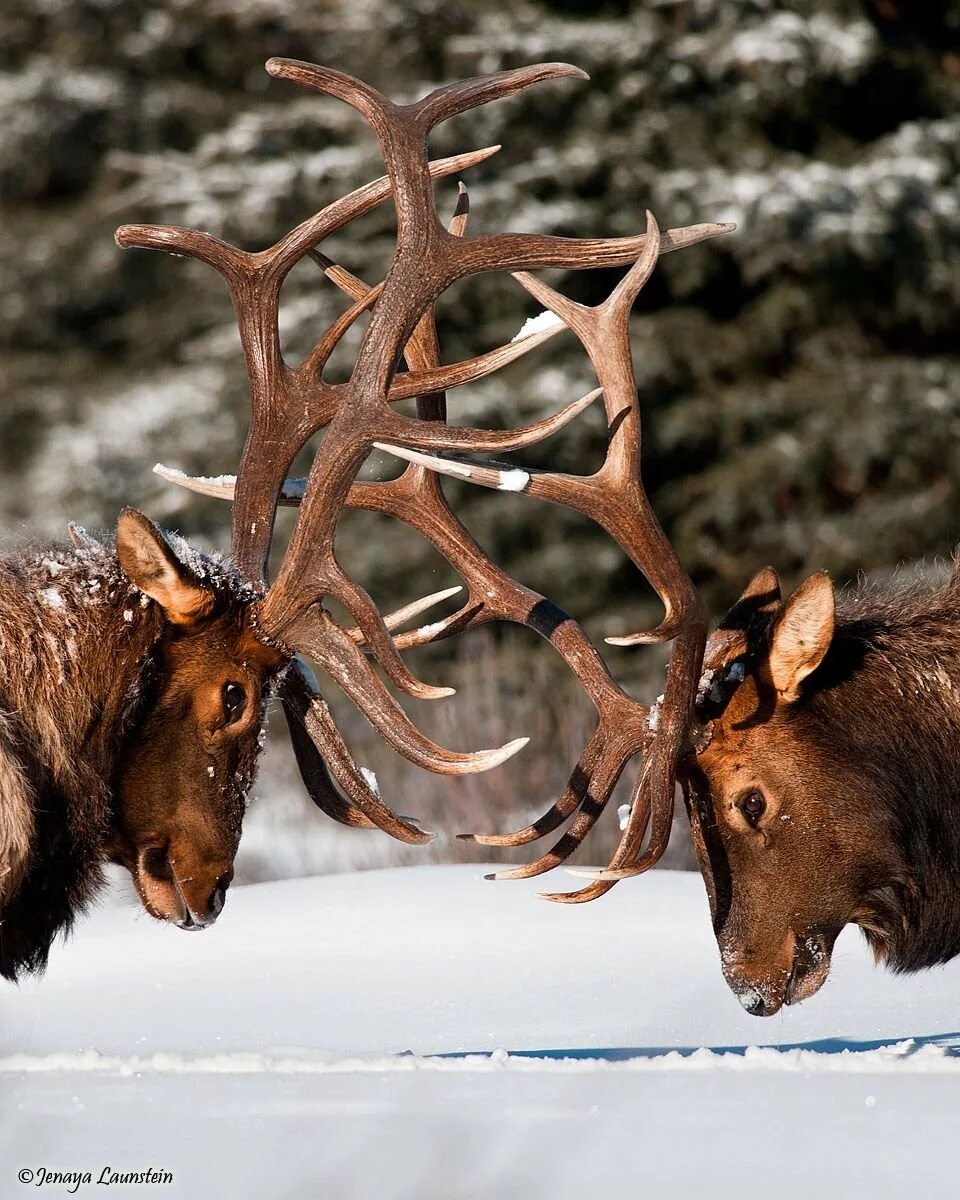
(305, 708)
(319, 356)
(571, 799)
(610, 763)
(461, 214)
(297, 695)
(343, 661)
(443, 378)
(371, 624)
(437, 435)
(435, 378)
(401, 615)
(534, 251)
(359, 95)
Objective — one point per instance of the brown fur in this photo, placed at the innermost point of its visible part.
(859, 766)
(90, 760)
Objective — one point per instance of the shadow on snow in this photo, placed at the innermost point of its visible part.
(948, 1042)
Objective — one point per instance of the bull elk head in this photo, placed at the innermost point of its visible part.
(825, 788)
(185, 776)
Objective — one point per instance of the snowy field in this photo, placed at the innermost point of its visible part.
(421, 1033)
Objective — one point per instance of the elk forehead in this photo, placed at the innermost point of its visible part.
(227, 642)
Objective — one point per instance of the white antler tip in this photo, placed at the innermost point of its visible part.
(428, 834)
(650, 638)
(605, 875)
(486, 760)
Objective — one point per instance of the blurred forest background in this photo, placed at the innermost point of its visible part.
(799, 379)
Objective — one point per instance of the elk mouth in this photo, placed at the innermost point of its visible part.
(808, 971)
(811, 966)
(160, 892)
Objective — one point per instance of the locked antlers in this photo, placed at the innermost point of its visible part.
(289, 404)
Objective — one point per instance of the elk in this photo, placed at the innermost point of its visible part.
(134, 695)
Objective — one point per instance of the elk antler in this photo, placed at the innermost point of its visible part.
(289, 404)
(614, 497)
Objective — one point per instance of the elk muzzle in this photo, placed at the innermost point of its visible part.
(182, 887)
(798, 969)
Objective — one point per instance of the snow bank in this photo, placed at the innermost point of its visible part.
(423, 1033)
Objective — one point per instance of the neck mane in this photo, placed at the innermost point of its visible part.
(76, 643)
(891, 684)
(75, 640)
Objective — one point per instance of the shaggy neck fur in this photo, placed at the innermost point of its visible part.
(75, 645)
(889, 693)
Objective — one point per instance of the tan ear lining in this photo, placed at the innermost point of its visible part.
(151, 565)
(801, 635)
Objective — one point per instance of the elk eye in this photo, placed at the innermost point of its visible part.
(234, 702)
(753, 806)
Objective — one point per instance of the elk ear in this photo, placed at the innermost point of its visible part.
(801, 634)
(763, 592)
(761, 595)
(151, 565)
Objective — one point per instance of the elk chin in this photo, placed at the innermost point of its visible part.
(811, 966)
(159, 896)
(158, 890)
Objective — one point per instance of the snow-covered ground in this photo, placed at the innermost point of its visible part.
(285, 1053)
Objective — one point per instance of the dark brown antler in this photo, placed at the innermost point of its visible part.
(614, 497)
(289, 404)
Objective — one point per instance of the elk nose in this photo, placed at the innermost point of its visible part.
(218, 897)
(758, 998)
(202, 916)
(214, 907)
(753, 1002)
